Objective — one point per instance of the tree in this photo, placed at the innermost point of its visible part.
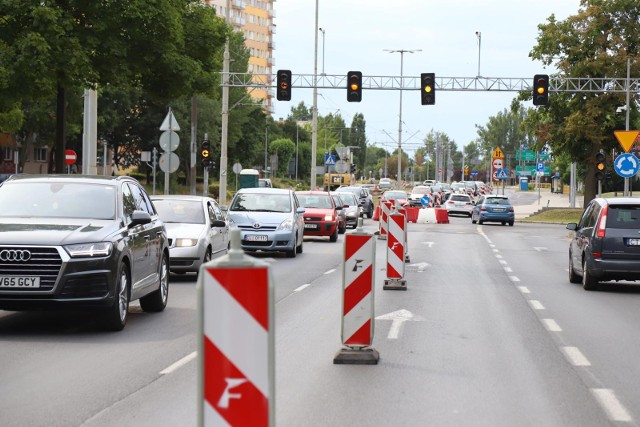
(285, 149)
(358, 138)
(596, 42)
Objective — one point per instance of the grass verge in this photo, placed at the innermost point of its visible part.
(556, 215)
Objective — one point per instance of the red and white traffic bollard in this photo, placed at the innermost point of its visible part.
(395, 253)
(404, 213)
(385, 210)
(236, 349)
(358, 276)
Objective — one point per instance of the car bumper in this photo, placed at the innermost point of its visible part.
(607, 269)
(459, 210)
(320, 228)
(284, 240)
(497, 217)
(186, 259)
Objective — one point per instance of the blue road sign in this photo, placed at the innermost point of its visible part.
(425, 200)
(539, 167)
(502, 173)
(329, 160)
(626, 165)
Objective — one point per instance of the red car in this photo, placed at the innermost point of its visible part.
(320, 214)
(400, 198)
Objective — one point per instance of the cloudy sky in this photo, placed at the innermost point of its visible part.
(358, 31)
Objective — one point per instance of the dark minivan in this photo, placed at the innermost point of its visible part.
(606, 243)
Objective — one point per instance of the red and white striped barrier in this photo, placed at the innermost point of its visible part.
(357, 298)
(236, 341)
(395, 252)
(403, 212)
(385, 210)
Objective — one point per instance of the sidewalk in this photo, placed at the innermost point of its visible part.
(547, 199)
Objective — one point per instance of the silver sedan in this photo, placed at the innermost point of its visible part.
(197, 229)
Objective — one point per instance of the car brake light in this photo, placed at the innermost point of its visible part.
(602, 222)
(449, 202)
(484, 208)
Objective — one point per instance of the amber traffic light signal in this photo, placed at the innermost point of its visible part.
(428, 88)
(205, 153)
(600, 166)
(283, 82)
(354, 86)
(540, 89)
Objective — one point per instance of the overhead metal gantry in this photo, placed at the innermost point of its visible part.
(460, 84)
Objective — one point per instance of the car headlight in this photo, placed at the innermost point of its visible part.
(328, 218)
(183, 243)
(88, 250)
(287, 225)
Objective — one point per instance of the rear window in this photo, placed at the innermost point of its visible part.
(460, 198)
(497, 201)
(622, 216)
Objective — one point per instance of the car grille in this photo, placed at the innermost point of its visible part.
(259, 228)
(44, 262)
(313, 218)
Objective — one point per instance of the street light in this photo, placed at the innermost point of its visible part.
(322, 30)
(402, 52)
(479, 35)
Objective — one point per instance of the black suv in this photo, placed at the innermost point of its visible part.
(606, 244)
(79, 242)
(364, 198)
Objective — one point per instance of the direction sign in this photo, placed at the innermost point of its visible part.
(329, 160)
(626, 165)
(498, 154)
(70, 157)
(626, 138)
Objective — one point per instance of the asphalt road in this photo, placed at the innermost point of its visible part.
(497, 336)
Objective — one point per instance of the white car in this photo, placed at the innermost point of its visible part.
(197, 230)
(460, 204)
(385, 183)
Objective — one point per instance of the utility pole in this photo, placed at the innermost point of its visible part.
(222, 197)
(314, 113)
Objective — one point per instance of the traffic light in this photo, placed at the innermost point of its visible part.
(354, 167)
(540, 89)
(428, 88)
(600, 166)
(283, 81)
(205, 153)
(354, 86)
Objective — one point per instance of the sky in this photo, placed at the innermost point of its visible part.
(357, 32)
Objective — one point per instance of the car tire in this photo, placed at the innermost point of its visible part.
(473, 221)
(504, 222)
(334, 236)
(157, 300)
(480, 221)
(342, 229)
(300, 248)
(589, 283)
(573, 277)
(207, 256)
(510, 223)
(115, 317)
(370, 212)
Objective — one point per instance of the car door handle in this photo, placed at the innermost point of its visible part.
(147, 237)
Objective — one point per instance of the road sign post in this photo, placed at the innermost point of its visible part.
(236, 345)
(70, 158)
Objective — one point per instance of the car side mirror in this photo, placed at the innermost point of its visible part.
(339, 208)
(300, 210)
(218, 223)
(572, 226)
(139, 218)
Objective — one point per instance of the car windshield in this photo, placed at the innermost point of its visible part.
(180, 211)
(319, 201)
(497, 201)
(261, 202)
(58, 200)
(394, 195)
(349, 199)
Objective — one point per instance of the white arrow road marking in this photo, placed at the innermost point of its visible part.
(397, 318)
(428, 243)
(421, 266)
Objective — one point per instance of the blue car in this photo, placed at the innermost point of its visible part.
(269, 219)
(493, 208)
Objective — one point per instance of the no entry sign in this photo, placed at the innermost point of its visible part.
(70, 157)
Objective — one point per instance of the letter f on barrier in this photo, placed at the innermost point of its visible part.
(227, 395)
(395, 245)
(357, 265)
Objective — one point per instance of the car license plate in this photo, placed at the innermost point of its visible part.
(311, 226)
(633, 242)
(498, 209)
(17, 282)
(256, 237)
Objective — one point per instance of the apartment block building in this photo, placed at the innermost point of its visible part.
(255, 18)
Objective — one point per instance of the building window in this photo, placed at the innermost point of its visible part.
(40, 154)
(7, 154)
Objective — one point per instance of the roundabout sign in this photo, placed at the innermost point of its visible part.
(626, 165)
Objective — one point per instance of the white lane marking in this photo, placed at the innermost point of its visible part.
(536, 305)
(508, 270)
(524, 289)
(299, 288)
(540, 248)
(498, 256)
(188, 358)
(503, 262)
(491, 245)
(428, 243)
(496, 250)
(575, 356)
(551, 325)
(514, 278)
(611, 404)
(330, 271)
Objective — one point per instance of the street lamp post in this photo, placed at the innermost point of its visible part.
(322, 30)
(479, 35)
(402, 52)
(314, 113)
